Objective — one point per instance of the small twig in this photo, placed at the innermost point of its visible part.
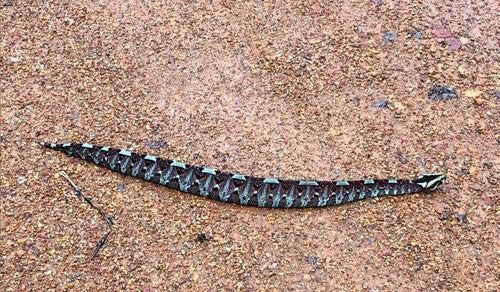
(100, 244)
(107, 219)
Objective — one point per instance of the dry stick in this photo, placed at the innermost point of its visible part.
(109, 221)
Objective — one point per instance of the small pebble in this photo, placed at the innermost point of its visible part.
(442, 144)
(462, 218)
(417, 35)
(438, 92)
(453, 44)
(421, 162)
(201, 237)
(402, 158)
(6, 192)
(382, 103)
(444, 215)
(495, 94)
(21, 180)
(120, 187)
(361, 31)
(228, 249)
(440, 32)
(155, 144)
(312, 260)
(195, 277)
(389, 37)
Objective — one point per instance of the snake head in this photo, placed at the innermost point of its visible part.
(430, 181)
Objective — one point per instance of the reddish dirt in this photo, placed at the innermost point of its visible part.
(291, 89)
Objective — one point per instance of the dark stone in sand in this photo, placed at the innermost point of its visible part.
(438, 92)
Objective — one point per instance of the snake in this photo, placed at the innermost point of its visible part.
(232, 187)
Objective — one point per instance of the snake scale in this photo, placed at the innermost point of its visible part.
(245, 190)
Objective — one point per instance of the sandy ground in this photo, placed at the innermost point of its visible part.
(289, 89)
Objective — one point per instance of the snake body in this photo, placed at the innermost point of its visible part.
(245, 190)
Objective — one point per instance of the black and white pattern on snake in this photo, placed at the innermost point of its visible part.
(245, 190)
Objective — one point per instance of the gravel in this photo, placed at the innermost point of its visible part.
(258, 88)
